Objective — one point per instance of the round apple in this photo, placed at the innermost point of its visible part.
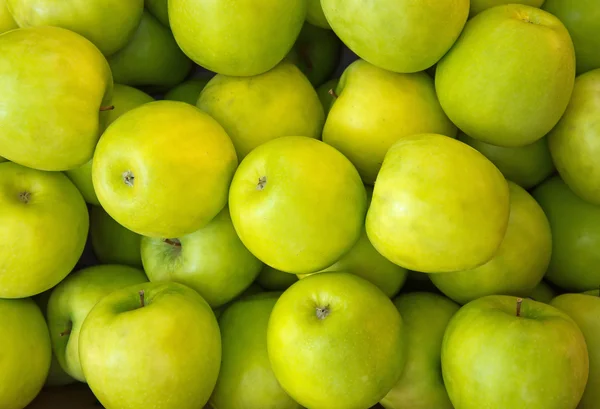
(188, 91)
(543, 293)
(477, 6)
(275, 280)
(159, 9)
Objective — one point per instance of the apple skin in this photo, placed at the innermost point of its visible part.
(375, 108)
(281, 102)
(60, 88)
(492, 358)
(253, 289)
(159, 9)
(23, 370)
(543, 293)
(44, 224)
(201, 27)
(325, 96)
(575, 228)
(315, 15)
(246, 379)
(275, 280)
(477, 6)
(161, 153)
(297, 204)
(575, 140)
(188, 91)
(345, 311)
(421, 386)
(6, 20)
(213, 261)
(519, 264)
(514, 93)
(434, 216)
(136, 356)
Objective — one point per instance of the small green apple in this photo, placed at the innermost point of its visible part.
(158, 154)
(151, 345)
(433, 216)
(326, 93)
(315, 15)
(477, 6)
(543, 293)
(281, 102)
(188, 91)
(505, 352)
(335, 341)
(275, 280)
(513, 93)
(7, 22)
(159, 9)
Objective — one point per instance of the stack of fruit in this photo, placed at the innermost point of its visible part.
(252, 231)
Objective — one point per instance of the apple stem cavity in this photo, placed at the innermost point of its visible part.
(262, 182)
(107, 108)
(519, 303)
(128, 178)
(322, 312)
(173, 242)
(142, 300)
(24, 197)
(333, 94)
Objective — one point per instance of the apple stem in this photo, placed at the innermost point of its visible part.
(142, 294)
(333, 94)
(519, 302)
(303, 51)
(107, 108)
(173, 242)
(65, 332)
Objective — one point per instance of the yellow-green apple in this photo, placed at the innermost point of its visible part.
(201, 28)
(421, 386)
(151, 345)
(519, 264)
(543, 292)
(109, 24)
(281, 102)
(575, 140)
(315, 15)
(429, 215)
(513, 93)
(111, 242)
(477, 6)
(326, 93)
(213, 261)
(501, 351)
(7, 22)
(151, 57)
(575, 226)
(188, 91)
(330, 324)
(374, 108)
(54, 101)
(246, 379)
(398, 35)
(26, 352)
(275, 280)
(71, 301)
(297, 204)
(159, 9)
(44, 224)
(158, 154)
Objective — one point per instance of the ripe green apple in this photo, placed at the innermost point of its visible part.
(543, 293)
(159, 9)
(477, 6)
(151, 57)
(188, 91)
(43, 229)
(246, 379)
(6, 19)
(375, 108)
(281, 102)
(582, 19)
(575, 141)
(158, 154)
(513, 93)
(398, 35)
(297, 204)
(421, 386)
(224, 37)
(498, 353)
(275, 280)
(315, 15)
(26, 352)
(326, 93)
(53, 100)
(575, 228)
(433, 216)
(335, 341)
(519, 264)
(109, 24)
(151, 345)
(72, 300)
(213, 261)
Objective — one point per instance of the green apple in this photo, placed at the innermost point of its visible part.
(575, 228)
(43, 229)
(519, 264)
(527, 165)
(275, 280)
(582, 18)
(330, 324)
(421, 386)
(109, 24)
(281, 102)
(6, 19)
(254, 288)
(375, 108)
(237, 37)
(188, 91)
(246, 379)
(433, 216)
(505, 352)
(595, 292)
(213, 261)
(54, 88)
(326, 93)
(543, 293)
(315, 15)
(158, 154)
(72, 300)
(26, 352)
(477, 6)
(513, 93)
(575, 141)
(2, 159)
(398, 35)
(297, 204)
(151, 345)
(159, 9)
(151, 58)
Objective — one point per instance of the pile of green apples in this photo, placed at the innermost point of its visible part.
(285, 204)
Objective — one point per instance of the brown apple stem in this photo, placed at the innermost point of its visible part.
(142, 294)
(305, 55)
(519, 302)
(65, 332)
(107, 108)
(333, 94)
(173, 242)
